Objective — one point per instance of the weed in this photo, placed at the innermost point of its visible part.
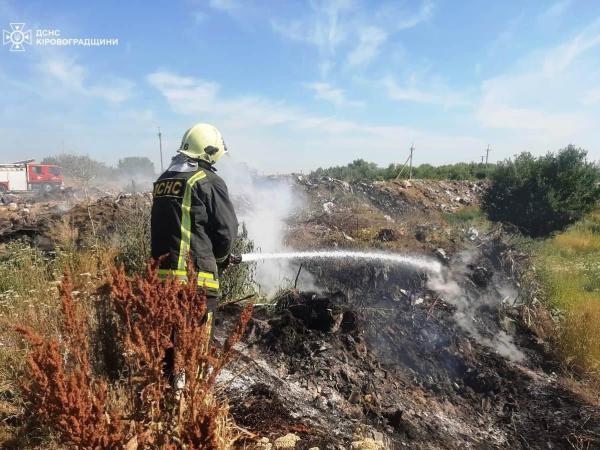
(133, 236)
(238, 280)
(144, 410)
(63, 394)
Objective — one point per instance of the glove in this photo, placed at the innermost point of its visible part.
(235, 259)
(232, 259)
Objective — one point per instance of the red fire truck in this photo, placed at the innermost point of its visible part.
(29, 176)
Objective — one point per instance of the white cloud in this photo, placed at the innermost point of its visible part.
(561, 57)
(556, 9)
(262, 129)
(329, 93)
(434, 93)
(554, 125)
(73, 78)
(326, 28)
(353, 28)
(224, 5)
(506, 36)
(592, 97)
(543, 95)
(193, 96)
(370, 41)
(397, 18)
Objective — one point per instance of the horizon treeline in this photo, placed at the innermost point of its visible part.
(361, 170)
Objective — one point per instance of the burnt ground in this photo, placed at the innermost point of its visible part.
(329, 367)
(415, 361)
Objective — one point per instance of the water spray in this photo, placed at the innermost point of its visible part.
(420, 263)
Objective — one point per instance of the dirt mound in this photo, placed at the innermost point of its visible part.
(45, 223)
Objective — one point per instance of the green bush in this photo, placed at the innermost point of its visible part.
(545, 194)
(464, 215)
(238, 280)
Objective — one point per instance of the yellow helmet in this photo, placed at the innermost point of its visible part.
(203, 141)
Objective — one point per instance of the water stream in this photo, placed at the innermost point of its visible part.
(417, 262)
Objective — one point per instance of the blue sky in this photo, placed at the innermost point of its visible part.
(297, 85)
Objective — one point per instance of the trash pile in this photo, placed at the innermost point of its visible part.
(394, 215)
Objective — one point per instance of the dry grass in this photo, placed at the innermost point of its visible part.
(578, 242)
(570, 270)
(29, 286)
(465, 215)
(580, 336)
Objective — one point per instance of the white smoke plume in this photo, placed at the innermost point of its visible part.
(450, 286)
(263, 204)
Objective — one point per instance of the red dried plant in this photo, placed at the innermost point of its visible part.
(155, 315)
(159, 315)
(62, 392)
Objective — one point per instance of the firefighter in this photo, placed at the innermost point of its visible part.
(192, 217)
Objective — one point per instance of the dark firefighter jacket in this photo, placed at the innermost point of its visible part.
(193, 217)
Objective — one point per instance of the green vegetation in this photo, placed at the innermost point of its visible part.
(468, 214)
(360, 170)
(238, 280)
(545, 194)
(570, 272)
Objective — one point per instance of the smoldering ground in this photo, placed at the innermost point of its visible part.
(476, 305)
(265, 205)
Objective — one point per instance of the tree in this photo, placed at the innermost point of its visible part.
(81, 168)
(545, 194)
(136, 165)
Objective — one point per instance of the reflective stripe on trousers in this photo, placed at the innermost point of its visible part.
(205, 279)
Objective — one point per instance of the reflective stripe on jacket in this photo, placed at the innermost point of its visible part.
(192, 217)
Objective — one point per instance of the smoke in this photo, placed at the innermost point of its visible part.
(264, 204)
(452, 285)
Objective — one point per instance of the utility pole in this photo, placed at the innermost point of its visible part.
(409, 159)
(160, 148)
(412, 149)
(487, 155)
